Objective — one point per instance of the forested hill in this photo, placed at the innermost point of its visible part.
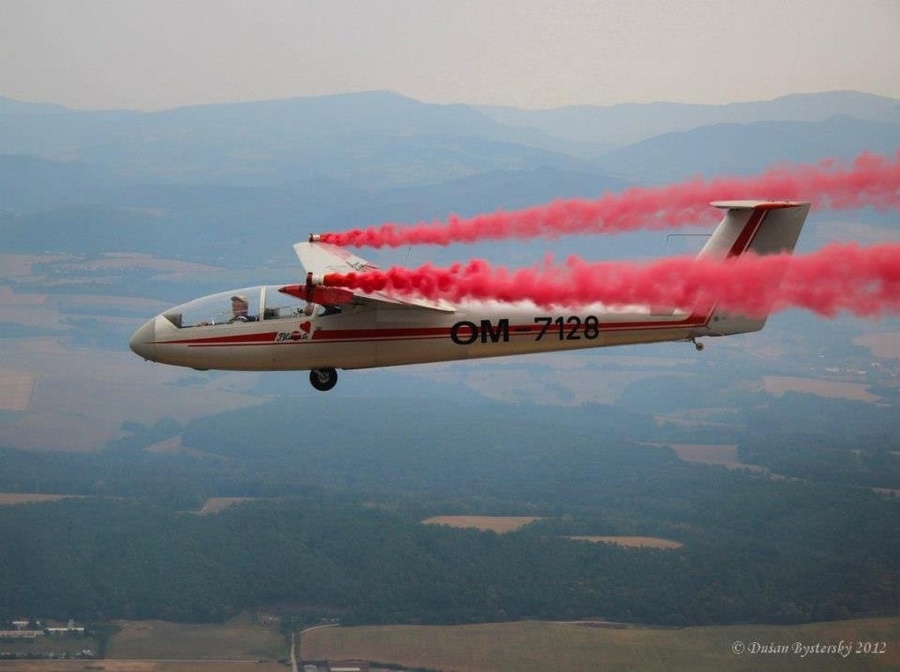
(789, 561)
(337, 526)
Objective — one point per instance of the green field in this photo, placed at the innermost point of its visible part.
(530, 646)
(241, 638)
(138, 666)
(588, 647)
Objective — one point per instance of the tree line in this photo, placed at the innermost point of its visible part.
(337, 529)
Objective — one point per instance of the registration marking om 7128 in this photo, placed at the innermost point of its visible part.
(568, 328)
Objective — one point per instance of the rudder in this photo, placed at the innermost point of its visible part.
(760, 227)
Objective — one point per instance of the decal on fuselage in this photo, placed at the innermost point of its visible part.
(568, 328)
(303, 332)
(467, 332)
(546, 327)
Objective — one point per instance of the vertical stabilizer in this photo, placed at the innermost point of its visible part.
(760, 227)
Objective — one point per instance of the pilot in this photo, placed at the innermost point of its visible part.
(239, 308)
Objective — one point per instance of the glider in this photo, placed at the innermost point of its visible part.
(319, 328)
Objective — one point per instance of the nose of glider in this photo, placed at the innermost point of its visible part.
(141, 342)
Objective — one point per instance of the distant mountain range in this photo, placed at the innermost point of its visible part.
(742, 149)
(618, 125)
(377, 139)
(287, 167)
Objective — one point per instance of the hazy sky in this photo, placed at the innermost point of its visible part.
(154, 54)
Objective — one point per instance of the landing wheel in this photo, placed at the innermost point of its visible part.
(323, 379)
(697, 345)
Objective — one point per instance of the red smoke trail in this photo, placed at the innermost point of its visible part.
(871, 180)
(864, 281)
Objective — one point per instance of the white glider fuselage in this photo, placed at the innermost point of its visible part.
(364, 336)
(283, 331)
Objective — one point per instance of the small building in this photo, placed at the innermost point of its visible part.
(348, 666)
(20, 634)
(70, 629)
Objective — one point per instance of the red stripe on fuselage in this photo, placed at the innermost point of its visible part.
(322, 336)
(233, 339)
(396, 333)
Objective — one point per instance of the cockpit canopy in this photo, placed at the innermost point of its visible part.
(249, 304)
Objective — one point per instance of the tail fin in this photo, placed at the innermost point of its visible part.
(761, 227)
